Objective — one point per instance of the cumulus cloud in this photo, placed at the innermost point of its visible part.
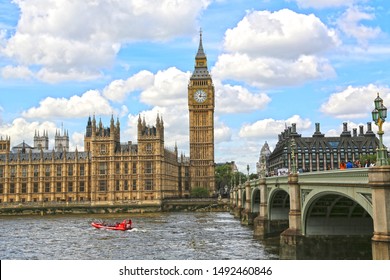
(272, 72)
(91, 102)
(118, 90)
(271, 128)
(18, 72)
(75, 39)
(238, 99)
(350, 24)
(169, 88)
(21, 130)
(354, 102)
(276, 49)
(319, 4)
(280, 34)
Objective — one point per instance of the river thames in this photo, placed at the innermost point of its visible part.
(156, 236)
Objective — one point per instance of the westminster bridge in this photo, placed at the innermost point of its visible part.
(316, 212)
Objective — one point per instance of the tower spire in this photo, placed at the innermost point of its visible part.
(200, 53)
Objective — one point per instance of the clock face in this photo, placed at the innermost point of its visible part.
(200, 96)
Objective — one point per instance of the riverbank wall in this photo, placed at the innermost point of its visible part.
(166, 205)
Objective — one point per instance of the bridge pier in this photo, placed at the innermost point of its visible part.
(261, 224)
(246, 214)
(379, 181)
(238, 208)
(291, 240)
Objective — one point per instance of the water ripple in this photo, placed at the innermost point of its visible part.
(156, 236)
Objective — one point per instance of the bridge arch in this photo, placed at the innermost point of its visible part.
(336, 213)
(243, 198)
(255, 200)
(279, 204)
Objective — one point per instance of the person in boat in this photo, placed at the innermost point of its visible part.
(128, 226)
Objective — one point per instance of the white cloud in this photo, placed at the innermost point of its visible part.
(91, 102)
(119, 89)
(319, 4)
(349, 23)
(276, 49)
(169, 88)
(21, 130)
(283, 34)
(18, 72)
(238, 99)
(272, 72)
(76, 141)
(75, 39)
(354, 102)
(270, 128)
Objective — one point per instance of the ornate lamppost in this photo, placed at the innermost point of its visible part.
(247, 168)
(379, 115)
(293, 163)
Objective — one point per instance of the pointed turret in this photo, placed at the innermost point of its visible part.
(200, 54)
(201, 71)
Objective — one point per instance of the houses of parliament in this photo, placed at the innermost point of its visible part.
(110, 172)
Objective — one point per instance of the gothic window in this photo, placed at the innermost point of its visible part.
(82, 169)
(102, 185)
(126, 186)
(126, 168)
(134, 185)
(24, 171)
(117, 168)
(59, 170)
(103, 168)
(134, 168)
(13, 171)
(82, 186)
(47, 187)
(148, 184)
(149, 148)
(149, 168)
(103, 149)
(12, 188)
(1, 172)
(47, 171)
(70, 170)
(1, 188)
(59, 187)
(36, 170)
(70, 186)
(117, 185)
(35, 188)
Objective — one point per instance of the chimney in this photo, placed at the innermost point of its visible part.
(345, 130)
(318, 132)
(369, 130)
(361, 133)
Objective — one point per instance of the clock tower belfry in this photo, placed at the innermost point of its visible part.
(201, 105)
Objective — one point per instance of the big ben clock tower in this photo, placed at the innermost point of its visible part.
(201, 116)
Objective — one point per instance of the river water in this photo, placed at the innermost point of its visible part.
(156, 236)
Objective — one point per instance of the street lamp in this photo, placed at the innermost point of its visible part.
(379, 115)
(247, 168)
(293, 163)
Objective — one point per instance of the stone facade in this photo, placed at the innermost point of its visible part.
(109, 172)
(320, 152)
(106, 172)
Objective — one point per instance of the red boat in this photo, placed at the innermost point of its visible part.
(125, 225)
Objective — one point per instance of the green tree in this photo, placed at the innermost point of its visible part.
(199, 192)
(223, 176)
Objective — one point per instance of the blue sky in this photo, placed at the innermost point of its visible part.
(273, 63)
